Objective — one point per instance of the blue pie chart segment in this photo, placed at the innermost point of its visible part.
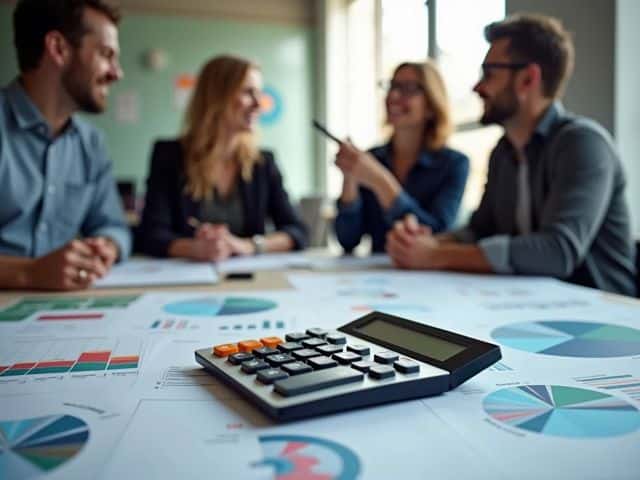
(570, 338)
(211, 306)
(562, 411)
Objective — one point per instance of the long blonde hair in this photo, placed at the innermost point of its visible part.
(439, 127)
(218, 83)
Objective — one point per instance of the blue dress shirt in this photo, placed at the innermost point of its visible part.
(53, 189)
(432, 192)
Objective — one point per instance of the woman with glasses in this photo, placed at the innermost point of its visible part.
(211, 191)
(414, 173)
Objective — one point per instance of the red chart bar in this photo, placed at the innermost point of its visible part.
(94, 357)
(55, 363)
(68, 316)
(124, 359)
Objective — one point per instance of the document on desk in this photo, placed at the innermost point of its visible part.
(60, 437)
(206, 436)
(265, 262)
(350, 262)
(143, 272)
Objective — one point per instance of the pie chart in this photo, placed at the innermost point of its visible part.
(212, 306)
(301, 457)
(37, 445)
(562, 411)
(570, 338)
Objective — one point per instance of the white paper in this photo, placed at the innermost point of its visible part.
(266, 262)
(139, 272)
(83, 431)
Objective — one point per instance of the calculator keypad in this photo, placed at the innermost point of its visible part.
(314, 360)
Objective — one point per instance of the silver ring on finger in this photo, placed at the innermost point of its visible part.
(82, 274)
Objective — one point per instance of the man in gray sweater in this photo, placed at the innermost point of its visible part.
(554, 202)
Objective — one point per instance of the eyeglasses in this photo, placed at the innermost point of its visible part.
(405, 89)
(487, 67)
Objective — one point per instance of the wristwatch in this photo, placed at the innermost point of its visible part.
(258, 244)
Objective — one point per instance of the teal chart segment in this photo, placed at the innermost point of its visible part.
(211, 306)
(303, 457)
(562, 411)
(570, 338)
(37, 445)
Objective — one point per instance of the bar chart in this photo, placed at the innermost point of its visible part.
(62, 356)
(66, 308)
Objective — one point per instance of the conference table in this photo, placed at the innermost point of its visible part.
(103, 383)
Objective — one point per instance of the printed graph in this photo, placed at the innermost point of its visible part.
(302, 457)
(212, 306)
(30, 358)
(255, 325)
(37, 445)
(74, 307)
(570, 338)
(627, 384)
(562, 411)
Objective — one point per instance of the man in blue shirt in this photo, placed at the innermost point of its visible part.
(554, 202)
(61, 222)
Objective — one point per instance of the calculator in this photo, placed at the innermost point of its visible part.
(376, 359)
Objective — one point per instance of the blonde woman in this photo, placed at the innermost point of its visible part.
(210, 192)
(413, 173)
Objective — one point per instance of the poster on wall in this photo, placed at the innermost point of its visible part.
(183, 86)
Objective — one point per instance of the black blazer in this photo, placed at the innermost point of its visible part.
(167, 208)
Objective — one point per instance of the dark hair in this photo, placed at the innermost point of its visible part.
(538, 39)
(33, 19)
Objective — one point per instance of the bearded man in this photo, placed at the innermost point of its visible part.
(554, 202)
(61, 221)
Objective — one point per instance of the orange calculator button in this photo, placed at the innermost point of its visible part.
(225, 350)
(271, 342)
(249, 345)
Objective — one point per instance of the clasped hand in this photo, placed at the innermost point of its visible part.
(412, 245)
(214, 242)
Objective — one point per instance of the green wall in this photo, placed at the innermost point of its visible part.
(284, 52)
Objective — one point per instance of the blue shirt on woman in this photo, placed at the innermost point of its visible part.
(432, 192)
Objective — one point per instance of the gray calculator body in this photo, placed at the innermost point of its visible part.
(385, 374)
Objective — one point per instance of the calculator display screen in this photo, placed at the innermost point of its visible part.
(418, 342)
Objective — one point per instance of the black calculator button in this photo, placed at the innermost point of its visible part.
(336, 338)
(238, 358)
(252, 366)
(406, 366)
(381, 371)
(317, 332)
(318, 380)
(296, 368)
(385, 357)
(305, 353)
(321, 362)
(329, 349)
(270, 375)
(265, 352)
(345, 358)
(289, 346)
(363, 365)
(362, 350)
(313, 342)
(295, 337)
(279, 359)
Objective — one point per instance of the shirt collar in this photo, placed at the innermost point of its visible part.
(26, 113)
(548, 120)
(425, 158)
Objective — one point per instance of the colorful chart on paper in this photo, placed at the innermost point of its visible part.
(27, 307)
(562, 411)
(569, 338)
(35, 445)
(212, 306)
(302, 457)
